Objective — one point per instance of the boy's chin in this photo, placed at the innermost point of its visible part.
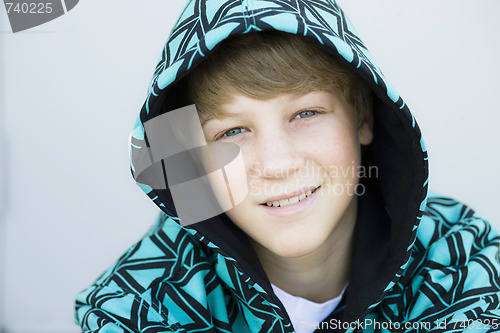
(293, 246)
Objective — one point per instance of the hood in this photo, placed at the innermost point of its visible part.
(388, 215)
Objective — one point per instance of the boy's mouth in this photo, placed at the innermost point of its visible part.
(291, 200)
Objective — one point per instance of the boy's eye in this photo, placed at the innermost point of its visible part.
(306, 114)
(232, 132)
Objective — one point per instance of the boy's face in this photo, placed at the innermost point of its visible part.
(301, 152)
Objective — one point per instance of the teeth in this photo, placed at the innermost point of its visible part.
(291, 201)
(284, 202)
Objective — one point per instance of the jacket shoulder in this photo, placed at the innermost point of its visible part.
(453, 276)
(162, 281)
(445, 218)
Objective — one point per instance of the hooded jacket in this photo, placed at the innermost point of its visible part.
(417, 256)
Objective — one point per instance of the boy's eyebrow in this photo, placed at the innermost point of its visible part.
(217, 115)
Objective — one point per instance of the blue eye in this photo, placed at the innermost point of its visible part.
(233, 132)
(306, 114)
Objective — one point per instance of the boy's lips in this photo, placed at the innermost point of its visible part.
(298, 195)
(292, 208)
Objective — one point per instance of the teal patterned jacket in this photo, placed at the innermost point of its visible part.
(421, 262)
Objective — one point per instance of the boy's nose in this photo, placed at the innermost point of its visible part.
(278, 156)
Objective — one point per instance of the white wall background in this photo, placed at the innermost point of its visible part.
(72, 89)
(442, 57)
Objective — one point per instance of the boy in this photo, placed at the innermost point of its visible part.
(316, 242)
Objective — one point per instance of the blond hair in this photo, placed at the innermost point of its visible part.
(262, 65)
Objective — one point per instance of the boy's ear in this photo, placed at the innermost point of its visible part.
(365, 129)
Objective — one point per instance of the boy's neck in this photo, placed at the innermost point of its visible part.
(318, 276)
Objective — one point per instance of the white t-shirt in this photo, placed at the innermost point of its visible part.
(304, 314)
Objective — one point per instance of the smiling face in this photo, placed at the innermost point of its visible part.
(301, 154)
